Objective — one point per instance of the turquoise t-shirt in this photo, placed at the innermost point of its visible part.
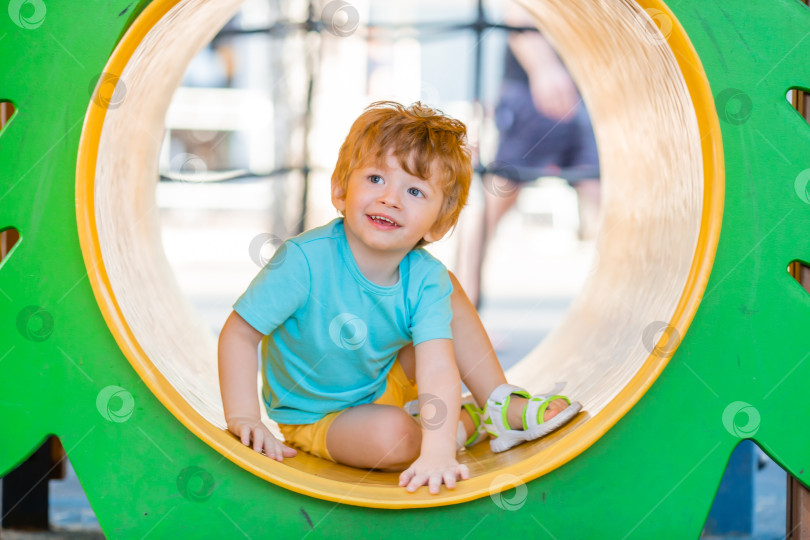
(331, 334)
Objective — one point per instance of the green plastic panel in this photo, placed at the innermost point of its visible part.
(740, 372)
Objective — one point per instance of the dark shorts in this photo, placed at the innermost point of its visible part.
(531, 145)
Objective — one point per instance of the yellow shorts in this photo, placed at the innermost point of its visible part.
(312, 437)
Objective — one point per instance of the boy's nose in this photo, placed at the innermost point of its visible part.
(390, 197)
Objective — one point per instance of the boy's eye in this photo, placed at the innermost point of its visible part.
(415, 192)
(375, 179)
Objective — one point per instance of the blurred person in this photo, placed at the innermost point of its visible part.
(544, 130)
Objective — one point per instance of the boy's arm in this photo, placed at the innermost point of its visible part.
(440, 403)
(238, 366)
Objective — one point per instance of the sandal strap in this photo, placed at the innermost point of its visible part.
(536, 408)
(502, 394)
(495, 413)
(479, 432)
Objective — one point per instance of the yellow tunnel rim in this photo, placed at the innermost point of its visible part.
(363, 495)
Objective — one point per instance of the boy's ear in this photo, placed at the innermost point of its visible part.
(338, 196)
(436, 233)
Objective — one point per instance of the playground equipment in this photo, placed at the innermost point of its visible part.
(687, 339)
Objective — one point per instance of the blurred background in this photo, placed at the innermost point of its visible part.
(251, 138)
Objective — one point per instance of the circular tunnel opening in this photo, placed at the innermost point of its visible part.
(661, 161)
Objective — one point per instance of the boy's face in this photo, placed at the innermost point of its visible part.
(388, 209)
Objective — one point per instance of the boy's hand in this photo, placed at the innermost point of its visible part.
(433, 473)
(251, 429)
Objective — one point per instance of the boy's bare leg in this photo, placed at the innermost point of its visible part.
(374, 437)
(477, 362)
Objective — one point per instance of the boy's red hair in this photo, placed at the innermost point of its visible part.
(425, 141)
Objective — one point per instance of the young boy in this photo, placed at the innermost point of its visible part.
(353, 317)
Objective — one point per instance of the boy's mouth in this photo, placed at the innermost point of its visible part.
(383, 221)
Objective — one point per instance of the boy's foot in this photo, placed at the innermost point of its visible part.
(517, 405)
(540, 415)
(473, 423)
